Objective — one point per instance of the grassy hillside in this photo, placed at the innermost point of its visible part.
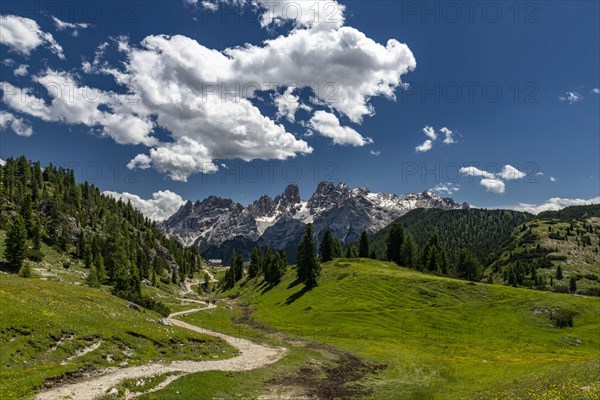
(569, 239)
(51, 331)
(476, 230)
(439, 337)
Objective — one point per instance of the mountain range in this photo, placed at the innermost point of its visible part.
(217, 226)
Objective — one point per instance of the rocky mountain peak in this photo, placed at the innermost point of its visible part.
(292, 193)
(214, 223)
(262, 207)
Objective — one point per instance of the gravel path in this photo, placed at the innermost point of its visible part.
(251, 356)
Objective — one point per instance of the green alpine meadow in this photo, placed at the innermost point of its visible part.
(299, 200)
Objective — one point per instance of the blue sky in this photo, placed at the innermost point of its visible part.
(510, 86)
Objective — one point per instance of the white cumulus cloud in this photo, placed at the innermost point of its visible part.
(474, 171)
(18, 125)
(430, 132)
(73, 26)
(287, 104)
(448, 136)
(596, 90)
(76, 104)
(23, 35)
(510, 173)
(494, 182)
(324, 14)
(448, 188)
(425, 146)
(178, 160)
(433, 136)
(161, 206)
(493, 185)
(176, 84)
(328, 125)
(554, 204)
(21, 70)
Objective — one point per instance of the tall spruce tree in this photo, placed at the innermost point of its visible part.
(409, 252)
(16, 244)
(337, 248)
(559, 273)
(326, 248)
(467, 266)
(308, 265)
(238, 267)
(36, 238)
(363, 248)
(394, 244)
(572, 285)
(255, 261)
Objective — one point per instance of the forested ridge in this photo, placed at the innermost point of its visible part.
(117, 244)
(478, 231)
(555, 250)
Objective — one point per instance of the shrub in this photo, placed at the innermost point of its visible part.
(562, 318)
(561, 289)
(591, 291)
(591, 277)
(145, 301)
(26, 271)
(35, 255)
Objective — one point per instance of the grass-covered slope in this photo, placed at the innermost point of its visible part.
(569, 239)
(439, 337)
(51, 330)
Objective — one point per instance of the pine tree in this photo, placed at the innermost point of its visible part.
(337, 248)
(27, 215)
(266, 264)
(308, 265)
(16, 244)
(409, 252)
(36, 238)
(229, 279)
(100, 269)
(468, 266)
(363, 248)
(135, 282)
(572, 285)
(158, 265)
(559, 273)
(154, 280)
(394, 243)
(348, 252)
(326, 248)
(92, 278)
(238, 267)
(255, 261)
(26, 271)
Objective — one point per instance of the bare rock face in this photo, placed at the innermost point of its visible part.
(218, 226)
